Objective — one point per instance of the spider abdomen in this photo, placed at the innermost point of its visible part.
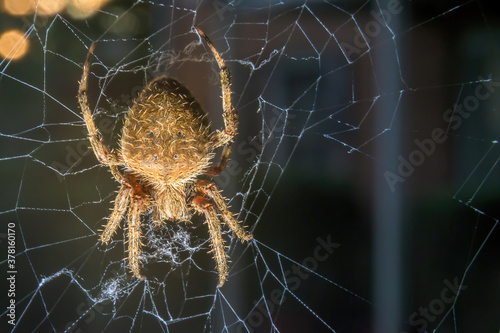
(166, 136)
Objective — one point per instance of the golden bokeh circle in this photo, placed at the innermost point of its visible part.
(13, 44)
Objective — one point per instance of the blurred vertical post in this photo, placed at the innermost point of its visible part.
(387, 202)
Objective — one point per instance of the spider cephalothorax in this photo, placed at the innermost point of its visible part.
(166, 144)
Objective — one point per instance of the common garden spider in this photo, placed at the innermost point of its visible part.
(166, 144)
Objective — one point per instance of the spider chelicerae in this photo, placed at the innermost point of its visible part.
(166, 145)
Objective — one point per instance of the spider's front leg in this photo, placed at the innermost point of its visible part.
(101, 151)
(226, 137)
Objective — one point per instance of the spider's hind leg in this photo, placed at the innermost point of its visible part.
(205, 206)
(134, 236)
(210, 190)
(135, 197)
(209, 203)
(140, 202)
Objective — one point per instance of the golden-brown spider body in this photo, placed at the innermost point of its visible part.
(167, 140)
(166, 144)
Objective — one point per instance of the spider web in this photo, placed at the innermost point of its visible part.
(365, 166)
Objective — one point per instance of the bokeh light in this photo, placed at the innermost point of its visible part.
(81, 9)
(78, 9)
(18, 7)
(126, 26)
(49, 7)
(26, 7)
(13, 44)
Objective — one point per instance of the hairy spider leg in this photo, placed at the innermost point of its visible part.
(136, 195)
(210, 202)
(230, 116)
(101, 151)
(205, 206)
(130, 191)
(210, 190)
(119, 209)
(137, 207)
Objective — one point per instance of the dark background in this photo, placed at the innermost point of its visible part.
(325, 124)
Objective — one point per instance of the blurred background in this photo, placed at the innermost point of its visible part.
(366, 165)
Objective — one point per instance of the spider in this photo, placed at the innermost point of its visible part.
(166, 145)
